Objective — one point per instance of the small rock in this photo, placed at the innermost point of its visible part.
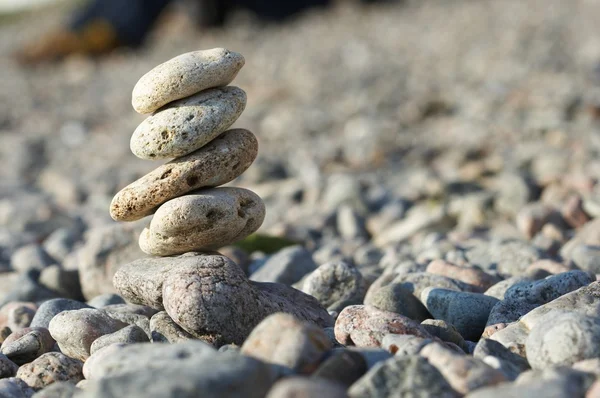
(404, 344)
(28, 344)
(336, 285)
(61, 389)
(470, 275)
(287, 266)
(61, 242)
(366, 326)
(105, 299)
(64, 282)
(30, 258)
(302, 387)
(444, 331)
(403, 376)
(213, 218)
(284, 340)
(76, 330)
(468, 312)
(342, 366)
(511, 364)
(15, 388)
(511, 257)
(17, 315)
(395, 298)
(51, 308)
(587, 258)
(128, 335)
(573, 213)
(164, 329)
(185, 75)
(350, 224)
(50, 368)
(7, 367)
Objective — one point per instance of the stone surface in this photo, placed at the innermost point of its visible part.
(336, 285)
(287, 266)
(28, 344)
(217, 163)
(444, 331)
(464, 373)
(470, 275)
(61, 389)
(501, 358)
(187, 125)
(50, 368)
(395, 298)
(163, 329)
(51, 308)
(76, 330)
(192, 290)
(342, 366)
(185, 75)
(62, 281)
(366, 326)
(17, 315)
(284, 340)
(404, 344)
(206, 220)
(13, 387)
(223, 375)
(403, 376)
(302, 387)
(128, 335)
(468, 312)
(7, 367)
(30, 258)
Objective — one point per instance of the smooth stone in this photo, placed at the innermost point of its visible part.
(17, 315)
(49, 309)
(93, 366)
(499, 357)
(187, 125)
(468, 312)
(7, 367)
(217, 163)
(404, 344)
(336, 285)
(226, 375)
(303, 387)
(132, 314)
(366, 326)
(445, 332)
(192, 290)
(28, 344)
(61, 389)
(282, 339)
(50, 368)
(470, 275)
(372, 355)
(400, 377)
(511, 257)
(342, 366)
(206, 220)
(128, 335)
(287, 266)
(395, 298)
(62, 281)
(499, 289)
(164, 329)
(563, 339)
(586, 257)
(185, 75)
(13, 387)
(76, 330)
(105, 299)
(30, 258)
(464, 373)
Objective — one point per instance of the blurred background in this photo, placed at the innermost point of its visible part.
(377, 121)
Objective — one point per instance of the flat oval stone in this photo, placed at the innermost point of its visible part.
(185, 75)
(188, 124)
(201, 221)
(217, 163)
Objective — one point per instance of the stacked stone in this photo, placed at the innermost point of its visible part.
(192, 109)
(198, 292)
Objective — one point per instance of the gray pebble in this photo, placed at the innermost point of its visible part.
(50, 308)
(61, 389)
(7, 367)
(128, 335)
(185, 75)
(15, 388)
(468, 312)
(306, 388)
(287, 266)
(206, 220)
(64, 282)
(30, 258)
(28, 344)
(587, 258)
(444, 331)
(395, 298)
(342, 366)
(164, 329)
(105, 299)
(404, 344)
(76, 330)
(511, 364)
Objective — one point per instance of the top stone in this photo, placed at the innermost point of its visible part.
(185, 75)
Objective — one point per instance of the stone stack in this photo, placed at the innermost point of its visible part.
(205, 295)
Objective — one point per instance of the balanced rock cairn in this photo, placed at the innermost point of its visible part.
(203, 293)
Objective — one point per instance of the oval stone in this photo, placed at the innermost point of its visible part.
(204, 220)
(189, 124)
(217, 163)
(185, 75)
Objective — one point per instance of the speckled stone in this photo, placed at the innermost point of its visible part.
(206, 220)
(49, 368)
(188, 124)
(217, 163)
(185, 75)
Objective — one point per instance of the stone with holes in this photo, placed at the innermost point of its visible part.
(205, 220)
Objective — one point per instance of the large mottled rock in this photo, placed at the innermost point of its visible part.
(287, 266)
(105, 249)
(217, 163)
(224, 375)
(284, 340)
(210, 297)
(366, 326)
(205, 220)
(403, 376)
(49, 368)
(188, 124)
(468, 312)
(75, 331)
(185, 75)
